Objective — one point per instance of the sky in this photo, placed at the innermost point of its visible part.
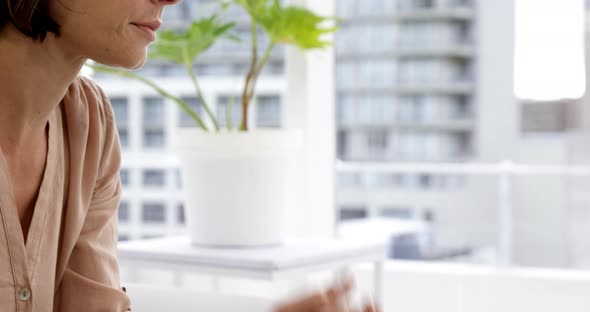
(549, 49)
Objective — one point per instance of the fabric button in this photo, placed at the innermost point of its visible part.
(24, 294)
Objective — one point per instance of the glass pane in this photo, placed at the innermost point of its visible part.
(223, 104)
(269, 112)
(123, 212)
(185, 120)
(154, 213)
(181, 214)
(124, 175)
(154, 178)
(153, 112)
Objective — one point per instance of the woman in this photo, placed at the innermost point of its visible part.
(60, 154)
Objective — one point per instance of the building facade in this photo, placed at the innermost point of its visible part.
(428, 81)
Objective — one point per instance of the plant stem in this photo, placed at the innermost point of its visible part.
(246, 95)
(154, 86)
(259, 68)
(265, 57)
(189, 67)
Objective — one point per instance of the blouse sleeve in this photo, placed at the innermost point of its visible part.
(91, 281)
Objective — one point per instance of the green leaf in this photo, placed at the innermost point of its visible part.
(296, 26)
(291, 25)
(184, 47)
(254, 8)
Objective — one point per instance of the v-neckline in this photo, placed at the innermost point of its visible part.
(8, 207)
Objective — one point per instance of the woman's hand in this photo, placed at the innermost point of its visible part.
(328, 301)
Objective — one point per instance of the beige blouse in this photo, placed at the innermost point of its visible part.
(69, 262)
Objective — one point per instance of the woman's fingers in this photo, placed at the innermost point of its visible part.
(310, 303)
(323, 301)
(370, 307)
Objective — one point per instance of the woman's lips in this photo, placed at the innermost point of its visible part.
(149, 32)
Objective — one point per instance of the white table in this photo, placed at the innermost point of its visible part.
(292, 260)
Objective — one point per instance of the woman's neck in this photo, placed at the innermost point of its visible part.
(34, 78)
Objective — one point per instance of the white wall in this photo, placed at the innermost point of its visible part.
(310, 103)
(415, 287)
(541, 207)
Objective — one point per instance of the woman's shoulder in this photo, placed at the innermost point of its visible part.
(86, 90)
(86, 101)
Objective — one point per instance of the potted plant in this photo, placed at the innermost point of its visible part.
(237, 181)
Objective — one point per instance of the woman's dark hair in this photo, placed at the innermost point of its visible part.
(30, 17)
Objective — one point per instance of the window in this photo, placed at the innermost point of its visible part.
(349, 180)
(376, 38)
(185, 120)
(463, 33)
(396, 213)
(375, 8)
(377, 74)
(417, 4)
(153, 112)
(269, 112)
(427, 35)
(352, 213)
(377, 139)
(426, 71)
(214, 69)
(151, 236)
(154, 178)
(154, 213)
(223, 104)
(346, 8)
(180, 214)
(124, 137)
(460, 107)
(346, 40)
(121, 110)
(376, 110)
(345, 75)
(124, 175)
(153, 123)
(425, 181)
(461, 144)
(276, 68)
(368, 74)
(154, 138)
(342, 144)
(178, 178)
(345, 109)
(398, 180)
(123, 212)
(420, 146)
(418, 108)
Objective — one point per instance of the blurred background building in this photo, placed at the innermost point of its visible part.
(418, 81)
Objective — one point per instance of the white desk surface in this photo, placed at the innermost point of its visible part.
(294, 254)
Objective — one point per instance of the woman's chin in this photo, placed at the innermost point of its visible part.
(131, 62)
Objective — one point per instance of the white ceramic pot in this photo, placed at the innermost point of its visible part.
(237, 185)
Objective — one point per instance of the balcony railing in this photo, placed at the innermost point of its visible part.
(505, 174)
